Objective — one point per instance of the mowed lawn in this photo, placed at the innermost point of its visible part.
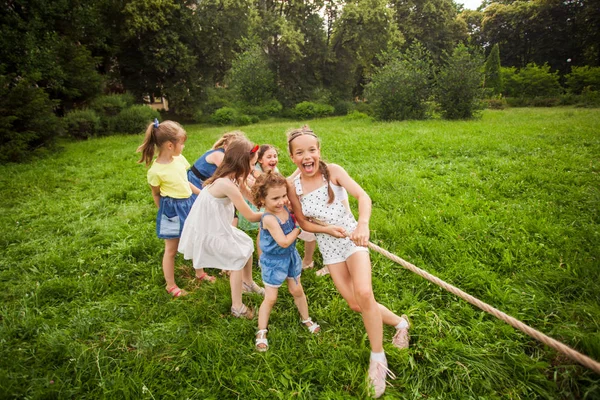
(505, 207)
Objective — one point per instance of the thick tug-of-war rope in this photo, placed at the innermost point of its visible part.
(555, 344)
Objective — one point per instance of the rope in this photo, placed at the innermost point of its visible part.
(555, 344)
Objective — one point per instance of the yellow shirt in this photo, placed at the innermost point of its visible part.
(171, 178)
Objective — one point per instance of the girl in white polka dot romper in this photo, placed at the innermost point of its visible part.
(318, 193)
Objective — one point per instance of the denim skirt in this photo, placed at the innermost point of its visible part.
(171, 216)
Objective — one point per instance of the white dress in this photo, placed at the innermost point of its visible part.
(209, 240)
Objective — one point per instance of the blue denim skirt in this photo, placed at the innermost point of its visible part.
(171, 216)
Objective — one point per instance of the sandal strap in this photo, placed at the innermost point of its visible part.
(202, 276)
(313, 325)
(175, 291)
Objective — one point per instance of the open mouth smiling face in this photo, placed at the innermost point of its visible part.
(306, 153)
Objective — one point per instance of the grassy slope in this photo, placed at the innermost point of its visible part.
(506, 208)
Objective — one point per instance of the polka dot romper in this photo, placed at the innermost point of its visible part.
(314, 205)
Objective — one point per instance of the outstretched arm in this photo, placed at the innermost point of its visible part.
(340, 177)
(229, 189)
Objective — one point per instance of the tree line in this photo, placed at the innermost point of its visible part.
(61, 55)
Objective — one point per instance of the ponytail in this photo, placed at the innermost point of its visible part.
(148, 145)
(325, 172)
(157, 134)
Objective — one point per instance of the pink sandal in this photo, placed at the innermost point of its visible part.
(206, 277)
(177, 292)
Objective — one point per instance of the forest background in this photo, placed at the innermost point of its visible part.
(76, 67)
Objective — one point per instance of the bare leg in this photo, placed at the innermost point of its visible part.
(297, 292)
(309, 252)
(235, 282)
(168, 262)
(353, 280)
(266, 306)
(247, 272)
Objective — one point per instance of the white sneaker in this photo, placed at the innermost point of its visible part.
(377, 374)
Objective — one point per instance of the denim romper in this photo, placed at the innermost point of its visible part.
(278, 263)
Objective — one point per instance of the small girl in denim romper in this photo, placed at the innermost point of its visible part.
(279, 260)
(171, 191)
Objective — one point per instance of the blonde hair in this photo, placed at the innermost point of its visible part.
(305, 130)
(156, 135)
(236, 161)
(264, 182)
(228, 138)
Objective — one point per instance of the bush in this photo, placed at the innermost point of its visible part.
(27, 119)
(243, 119)
(308, 110)
(217, 97)
(399, 89)
(342, 107)
(251, 79)
(357, 115)
(458, 84)
(364, 108)
(530, 82)
(581, 78)
(589, 98)
(496, 103)
(111, 105)
(134, 119)
(269, 109)
(82, 124)
(198, 116)
(544, 102)
(224, 116)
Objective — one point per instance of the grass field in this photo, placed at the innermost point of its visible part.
(506, 207)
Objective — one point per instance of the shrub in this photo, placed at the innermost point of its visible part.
(357, 115)
(82, 124)
(308, 110)
(243, 119)
(364, 108)
(398, 90)
(269, 109)
(251, 79)
(530, 82)
(589, 98)
(224, 116)
(111, 105)
(581, 78)
(198, 116)
(217, 97)
(496, 103)
(134, 119)
(27, 119)
(342, 107)
(493, 78)
(544, 102)
(458, 84)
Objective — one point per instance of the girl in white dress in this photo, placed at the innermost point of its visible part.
(208, 238)
(317, 193)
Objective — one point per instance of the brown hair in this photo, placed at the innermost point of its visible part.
(265, 182)
(156, 136)
(263, 149)
(305, 130)
(228, 138)
(236, 161)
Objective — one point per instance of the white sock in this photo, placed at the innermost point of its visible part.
(402, 324)
(379, 357)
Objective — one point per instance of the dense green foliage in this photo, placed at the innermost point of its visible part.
(492, 75)
(293, 51)
(581, 79)
(458, 84)
(504, 207)
(82, 124)
(134, 119)
(531, 81)
(27, 119)
(399, 90)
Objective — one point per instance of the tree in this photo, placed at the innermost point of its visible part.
(251, 79)
(492, 77)
(364, 30)
(433, 23)
(399, 89)
(458, 84)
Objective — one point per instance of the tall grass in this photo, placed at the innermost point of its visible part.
(506, 208)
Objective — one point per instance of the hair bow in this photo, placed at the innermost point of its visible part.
(156, 122)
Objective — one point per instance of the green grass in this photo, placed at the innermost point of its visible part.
(506, 208)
